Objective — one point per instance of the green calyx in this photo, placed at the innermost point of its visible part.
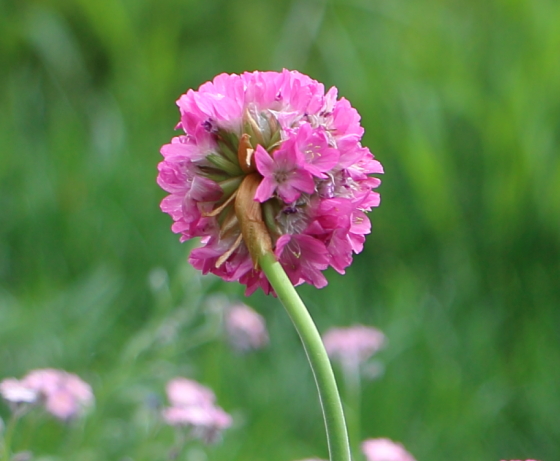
(263, 128)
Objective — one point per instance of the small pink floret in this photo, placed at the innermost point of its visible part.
(282, 173)
(318, 156)
(385, 450)
(304, 258)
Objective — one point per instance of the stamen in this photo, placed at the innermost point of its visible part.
(295, 251)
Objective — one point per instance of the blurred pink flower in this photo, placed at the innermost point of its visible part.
(64, 394)
(245, 328)
(277, 139)
(385, 450)
(14, 391)
(197, 416)
(353, 345)
(183, 392)
(192, 406)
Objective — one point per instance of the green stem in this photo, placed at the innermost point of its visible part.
(337, 436)
(9, 432)
(352, 401)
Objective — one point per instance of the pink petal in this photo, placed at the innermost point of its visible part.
(288, 192)
(287, 158)
(303, 181)
(265, 190)
(265, 164)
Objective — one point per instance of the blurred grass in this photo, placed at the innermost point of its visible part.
(461, 103)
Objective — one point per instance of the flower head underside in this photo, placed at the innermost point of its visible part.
(269, 162)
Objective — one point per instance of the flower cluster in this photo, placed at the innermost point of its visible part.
(269, 162)
(63, 394)
(193, 406)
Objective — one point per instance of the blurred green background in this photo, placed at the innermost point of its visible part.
(461, 103)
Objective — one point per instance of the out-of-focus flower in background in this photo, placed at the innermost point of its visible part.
(385, 450)
(245, 328)
(63, 394)
(183, 392)
(193, 406)
(354, 345)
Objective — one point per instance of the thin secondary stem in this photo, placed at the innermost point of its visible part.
(352, 401)
(8, 434)
(337, 435)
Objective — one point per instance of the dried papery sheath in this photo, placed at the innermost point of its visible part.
(269, 162)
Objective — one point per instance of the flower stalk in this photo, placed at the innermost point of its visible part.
(337, 434)
(9, 432)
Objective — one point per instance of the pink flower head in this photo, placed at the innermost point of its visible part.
(245, 328)
(269, 162)
(353, 345)
(63, 394)
(193, 406)
(385, 450)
